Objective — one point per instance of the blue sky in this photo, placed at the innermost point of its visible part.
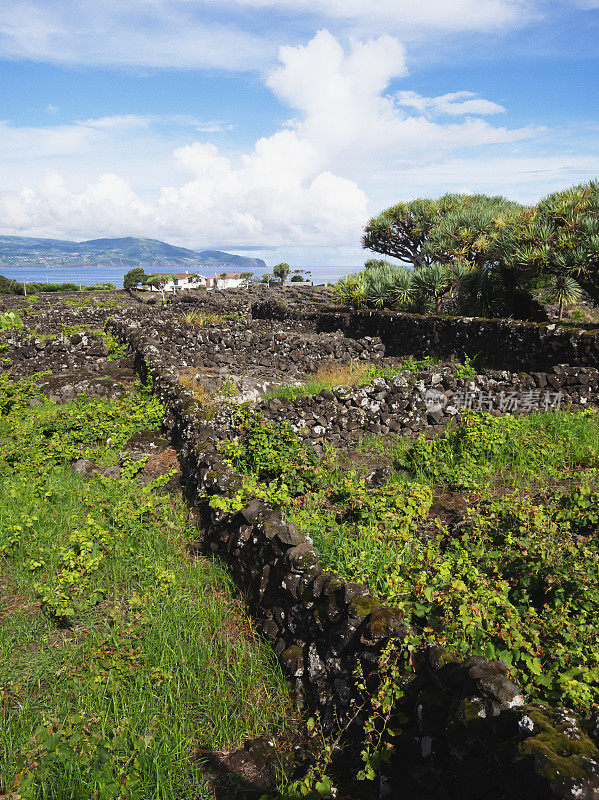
(281, 126)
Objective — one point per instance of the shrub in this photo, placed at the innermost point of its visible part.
(100, 287)
(9, 319)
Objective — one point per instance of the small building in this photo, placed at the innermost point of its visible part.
(222, 280)
(226, 280)
(184, 281)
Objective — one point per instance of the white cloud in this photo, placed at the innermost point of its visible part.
(480, 15)
(214, 126)
(350, 150)
(51, 109)
(43, 142)
(215, 33)
(521, 176)
(137, 144)
(125, 33)
(453, 103)
(356, 128)
(121, 122)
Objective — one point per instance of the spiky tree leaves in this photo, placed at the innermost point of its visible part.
(433, 282)
(560, 236)
(381, 287)
(482, 294)
(401, 289)
(373, 263)
(350, 290)
(401, 231)
(455, 227)
(564, 290)
(467, 227)
(504, 249)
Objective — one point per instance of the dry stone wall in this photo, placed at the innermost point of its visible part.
(399, 404)
(286, 351)
(469, 732)
(498, 343)
(49, 313)
(28, 355)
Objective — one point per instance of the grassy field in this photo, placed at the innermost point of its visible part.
(486, 536)
(124, 657)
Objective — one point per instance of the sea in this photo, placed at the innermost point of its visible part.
(87, 276)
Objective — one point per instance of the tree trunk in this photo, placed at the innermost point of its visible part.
(561, 310)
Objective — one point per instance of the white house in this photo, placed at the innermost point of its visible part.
(222, 280)
(184, 281)
(226, 280)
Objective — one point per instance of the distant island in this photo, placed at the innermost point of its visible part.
(151, 254)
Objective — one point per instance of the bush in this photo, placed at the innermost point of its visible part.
(100, 287)
(9, 286)
(272, 453)
(10, 320)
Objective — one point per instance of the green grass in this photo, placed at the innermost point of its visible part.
(357, 373)
(508, 450)
(520, 582)
(123, 658)
(354, 373)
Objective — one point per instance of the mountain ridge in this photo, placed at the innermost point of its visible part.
(126, 251)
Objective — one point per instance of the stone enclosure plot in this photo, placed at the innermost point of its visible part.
(247, 359)
(465, 717)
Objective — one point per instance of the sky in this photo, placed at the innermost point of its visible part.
(277, 128)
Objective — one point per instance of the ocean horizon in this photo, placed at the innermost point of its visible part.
(87, 276)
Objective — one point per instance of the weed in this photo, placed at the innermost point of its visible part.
(10, 319)
(416, 365)
(83, 302)
(199, 319)
(465, 369)
(115, 349)
(330, 375)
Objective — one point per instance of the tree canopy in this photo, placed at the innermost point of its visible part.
(402, 230)
(454, 227)
(559, 236)
(509, 248)
(281, 271)
(133, 278)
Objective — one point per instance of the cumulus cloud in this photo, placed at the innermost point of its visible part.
(308, 183)
(356, 127)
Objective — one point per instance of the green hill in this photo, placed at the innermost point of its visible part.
(151, 254)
